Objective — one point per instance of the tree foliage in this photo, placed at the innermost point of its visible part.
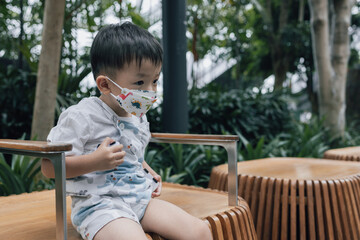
(223, 29)
(254, 33)
(19, 54)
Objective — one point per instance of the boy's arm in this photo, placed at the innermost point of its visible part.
(145, 165)
(104, 158)
(75, 166)
(157, 191)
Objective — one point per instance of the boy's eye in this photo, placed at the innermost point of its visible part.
(139, 83)
(156, 81)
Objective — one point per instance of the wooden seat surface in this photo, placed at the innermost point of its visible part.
(32, 215)
(299, 198)
(345, 154)
(296, 168)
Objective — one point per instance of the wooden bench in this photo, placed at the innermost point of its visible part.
(33, 213)
(299, 198)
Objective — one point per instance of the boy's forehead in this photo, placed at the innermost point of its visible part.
(147, 69)
(143, 67)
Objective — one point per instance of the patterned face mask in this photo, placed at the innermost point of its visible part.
(135, 102)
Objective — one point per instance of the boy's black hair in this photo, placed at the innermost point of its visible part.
(118, 44)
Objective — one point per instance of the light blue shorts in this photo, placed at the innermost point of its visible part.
(90, 214)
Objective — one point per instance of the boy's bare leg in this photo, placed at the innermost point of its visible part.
(172, 222)
(121, 228)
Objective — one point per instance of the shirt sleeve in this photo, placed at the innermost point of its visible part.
(73, 128)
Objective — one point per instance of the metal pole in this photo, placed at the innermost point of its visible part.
(60, 196)
(231, 150)
(175, 109)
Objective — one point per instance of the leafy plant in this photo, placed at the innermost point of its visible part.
(306, 140)
(19, 177)
(260, 150)
(187, 164)
(214, 111)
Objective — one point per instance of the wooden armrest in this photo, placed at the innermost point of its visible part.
(33, 146)
(192, 138)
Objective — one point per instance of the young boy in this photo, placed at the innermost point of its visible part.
(111, 196)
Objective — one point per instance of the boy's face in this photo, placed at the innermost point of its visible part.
(134, 77)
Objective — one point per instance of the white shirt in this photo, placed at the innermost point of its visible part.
(85, 125)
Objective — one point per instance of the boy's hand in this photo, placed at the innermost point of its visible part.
(157, 191)
(108, 157)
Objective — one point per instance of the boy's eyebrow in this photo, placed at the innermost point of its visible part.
(141, 75)
(145, 75)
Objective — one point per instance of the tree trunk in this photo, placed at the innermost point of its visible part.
(278, 56)
(301, 10)
(280, 64)
(48, 70)
(331, 54)
(352, 93)
(312, 93)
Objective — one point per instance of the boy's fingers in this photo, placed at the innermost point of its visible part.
(158, 178)
(119, 161)
(117, 148)
(157, 191)
(107, 141)
(120, 155)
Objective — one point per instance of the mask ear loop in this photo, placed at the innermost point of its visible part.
(115, 85)
(113, 82)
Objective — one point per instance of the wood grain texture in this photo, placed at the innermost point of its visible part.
(40, 146)
(299, 198)
(344, 154)
(32, 215)
(194, 136)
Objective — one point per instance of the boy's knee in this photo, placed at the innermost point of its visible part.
(202, 231)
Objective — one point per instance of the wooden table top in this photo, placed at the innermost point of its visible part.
(298, 168)
(348, 152)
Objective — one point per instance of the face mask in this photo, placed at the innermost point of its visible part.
(135, 102)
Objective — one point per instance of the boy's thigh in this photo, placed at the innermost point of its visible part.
(121, 228)
(168, 220)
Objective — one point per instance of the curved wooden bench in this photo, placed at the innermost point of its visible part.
(32, 215)
(299, 198)
(226, 222)
(344, 154)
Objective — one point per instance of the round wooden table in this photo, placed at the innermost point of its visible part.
(345, 154)
(299, 198)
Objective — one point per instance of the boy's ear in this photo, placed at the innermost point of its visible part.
(102, 84)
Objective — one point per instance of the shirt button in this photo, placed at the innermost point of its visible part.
(122, 126)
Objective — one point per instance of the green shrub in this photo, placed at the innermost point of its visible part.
(303, 140)
(17, 91)
(186, 164)
(254, 115)
(17, 94)
(21, 176)
(213, 111)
